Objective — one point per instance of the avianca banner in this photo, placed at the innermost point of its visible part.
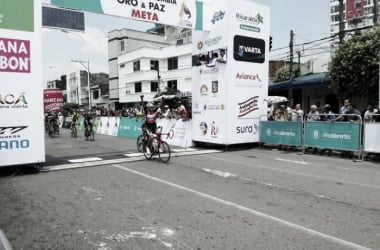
(183, 13)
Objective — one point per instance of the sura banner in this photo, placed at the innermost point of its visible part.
(285, 133)
(21, 88)
(182, 13)
(336, 135)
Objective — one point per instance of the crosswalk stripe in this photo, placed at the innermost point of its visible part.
(129, 157)
(85, 160)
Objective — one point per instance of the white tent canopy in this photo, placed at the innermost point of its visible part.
(159, 98)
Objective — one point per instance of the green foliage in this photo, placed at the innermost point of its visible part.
(354, 69)
(283, 74)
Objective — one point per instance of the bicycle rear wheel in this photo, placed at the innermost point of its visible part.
(92, 135)
(164, 151)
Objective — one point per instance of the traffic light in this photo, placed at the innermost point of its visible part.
(270, 43)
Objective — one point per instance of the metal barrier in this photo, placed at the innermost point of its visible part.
(331, 134)
(280, 132)
(371, 131)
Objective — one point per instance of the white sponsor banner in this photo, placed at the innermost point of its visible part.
(108, 125)
(174, 12)
(230, 73)
(178, 131)
(248, 70)
(371, 137)
(21, 89)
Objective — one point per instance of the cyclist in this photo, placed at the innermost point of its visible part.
(53, 121)
(74, 121)
(88, 126)
(151, 114)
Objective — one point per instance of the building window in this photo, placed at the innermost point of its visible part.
(173, 63)
(95, 94)
(137, 87)
(122, 45)
(122, 65)
(172, 84)
(136, 66)
(154, 65)
(153, 86)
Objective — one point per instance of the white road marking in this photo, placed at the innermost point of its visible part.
(219, 173)
(306, 230)
(297, 173)
(133, 154)
(85, 160)
(291, 161)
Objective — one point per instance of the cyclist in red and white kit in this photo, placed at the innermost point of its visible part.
(151, 113)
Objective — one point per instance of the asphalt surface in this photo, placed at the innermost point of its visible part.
(204, 198)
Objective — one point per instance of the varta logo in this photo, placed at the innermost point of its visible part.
(246, 49)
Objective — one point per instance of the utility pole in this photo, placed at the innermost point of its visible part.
(341, 22)
(299, 63)
(375, 13)
(290, 85)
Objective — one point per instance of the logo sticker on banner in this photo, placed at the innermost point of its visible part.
(249, 49)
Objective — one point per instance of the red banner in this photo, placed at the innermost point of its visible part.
(354, 9)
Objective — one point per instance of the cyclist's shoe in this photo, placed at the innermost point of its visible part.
(148, 151)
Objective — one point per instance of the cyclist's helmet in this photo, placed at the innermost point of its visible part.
(327, 108)
(150, 105)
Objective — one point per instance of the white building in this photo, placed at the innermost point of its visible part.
(130, 55)
(147, 71)
(364, 9)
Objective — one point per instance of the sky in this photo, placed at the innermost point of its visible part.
(309, 20)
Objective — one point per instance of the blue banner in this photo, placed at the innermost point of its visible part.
(333, 135)
(282, 133)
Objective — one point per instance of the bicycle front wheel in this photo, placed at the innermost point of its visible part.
(164, 151)
(140, 143)
(147, 150)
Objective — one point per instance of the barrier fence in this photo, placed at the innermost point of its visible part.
(130, 127)
(333, 134)
(359, 135)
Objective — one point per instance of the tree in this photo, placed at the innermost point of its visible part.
(354, 69)
(283, 74)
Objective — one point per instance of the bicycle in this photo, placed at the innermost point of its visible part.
(53, 128)
(74, 131)
(156, 146)
(89, 133)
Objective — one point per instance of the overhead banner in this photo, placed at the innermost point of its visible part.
(182, 13)
(21, 87)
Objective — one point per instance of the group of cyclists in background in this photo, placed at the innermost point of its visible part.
(54, 119)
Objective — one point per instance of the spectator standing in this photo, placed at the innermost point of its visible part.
(343, 110)
(282, 114)
(327, 115)
(297, 113)
(368, 114)
(313, 114)
(352, 114)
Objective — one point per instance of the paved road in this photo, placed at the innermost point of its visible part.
(242, 199)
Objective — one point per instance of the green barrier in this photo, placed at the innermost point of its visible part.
(335, 135)
(80, 124)
(130, 127)
(283, 133)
